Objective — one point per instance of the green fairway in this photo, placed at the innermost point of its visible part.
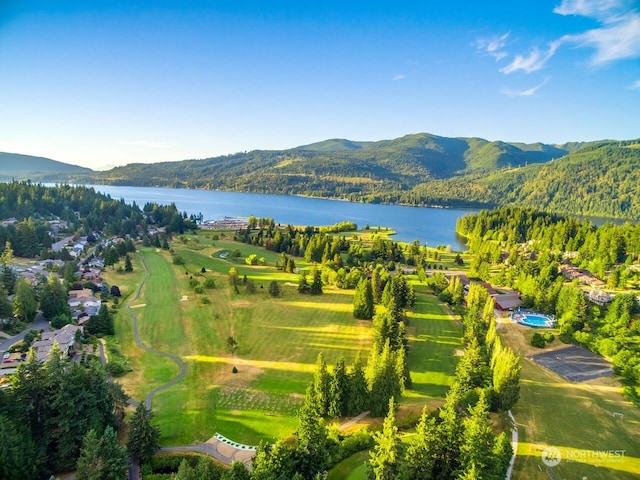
(351, 468)
(278, 341)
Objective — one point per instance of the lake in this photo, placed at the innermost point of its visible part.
(433, 226)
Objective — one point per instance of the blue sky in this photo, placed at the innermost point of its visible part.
(102, 83)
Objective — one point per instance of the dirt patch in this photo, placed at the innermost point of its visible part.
(247, 373)
(241, 303)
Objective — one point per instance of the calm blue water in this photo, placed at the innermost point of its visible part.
(536, 320)
(433, 226)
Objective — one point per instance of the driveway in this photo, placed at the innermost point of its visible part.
(39, 324)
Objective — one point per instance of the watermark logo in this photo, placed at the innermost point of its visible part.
(551, 456)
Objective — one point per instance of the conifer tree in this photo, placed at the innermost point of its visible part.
(377, 285)
(384, 461)
(338, 390)
(450, 434)
(143, 441)
(311, 454)
(476, 450)
(322, 384)
(316, 282)
(506, 378)
(128, 266)
(358, 389)
(420, 455)
(363, 307)
(53, 298)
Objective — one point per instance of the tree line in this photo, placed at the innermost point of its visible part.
(525, 249)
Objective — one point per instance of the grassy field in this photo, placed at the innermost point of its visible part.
(278, 343)
(576, 418)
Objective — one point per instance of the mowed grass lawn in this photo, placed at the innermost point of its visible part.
(576, 418)
(278, 344)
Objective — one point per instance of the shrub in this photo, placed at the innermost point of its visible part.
(548, 337)
(116, 368)
(234, 370)
(209, 283)
(537, 340)
(204, 300)
(178, 260)
(60, 321)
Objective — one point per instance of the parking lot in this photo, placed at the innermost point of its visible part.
(576, 364)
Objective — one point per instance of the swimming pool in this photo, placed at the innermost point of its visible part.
(533, 319)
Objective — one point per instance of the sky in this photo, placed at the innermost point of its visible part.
(101, 83)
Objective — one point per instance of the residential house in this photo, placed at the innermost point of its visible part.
(65, 337)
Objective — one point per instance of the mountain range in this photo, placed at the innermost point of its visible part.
(14, 166)
(587, 178)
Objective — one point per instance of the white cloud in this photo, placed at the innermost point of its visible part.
(399, 77)
(617, 41)
(635, 85)
(617, 37)
(599, 9)
(494, 47)
(525, 93)
(144, 143)
(534, 61)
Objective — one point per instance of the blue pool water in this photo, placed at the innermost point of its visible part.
(533, 319)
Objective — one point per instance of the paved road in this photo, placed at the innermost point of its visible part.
(178, 360)
(39, 324)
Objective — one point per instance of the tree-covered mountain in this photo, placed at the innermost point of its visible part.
(337, 167)
(589, 178)
(25, 167)
(601, 179)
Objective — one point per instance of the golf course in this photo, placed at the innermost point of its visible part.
(278, 342)
(249, 357)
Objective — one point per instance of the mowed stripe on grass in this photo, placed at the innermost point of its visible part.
(278, 344)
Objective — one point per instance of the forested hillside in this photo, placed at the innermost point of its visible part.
(598, 180)
(338, 168)
(24, 167)
(594, 178)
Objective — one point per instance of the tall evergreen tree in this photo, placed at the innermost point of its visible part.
(363, 307)
(6, 310)
(143, 440)
(89, 464)
(128, 266)
(316, 282)
(384, 461)
(338, 390)
(377, 285)
(25, 304)
(506, 377)
(273, 462)
(53, 298)
(476, 450)
(322, 384)
(311, 454)
(8, 277)
(358, 389)
(450, 434)
(421, 452)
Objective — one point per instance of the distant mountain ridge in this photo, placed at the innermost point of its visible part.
(588, 178)
(27, 167)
